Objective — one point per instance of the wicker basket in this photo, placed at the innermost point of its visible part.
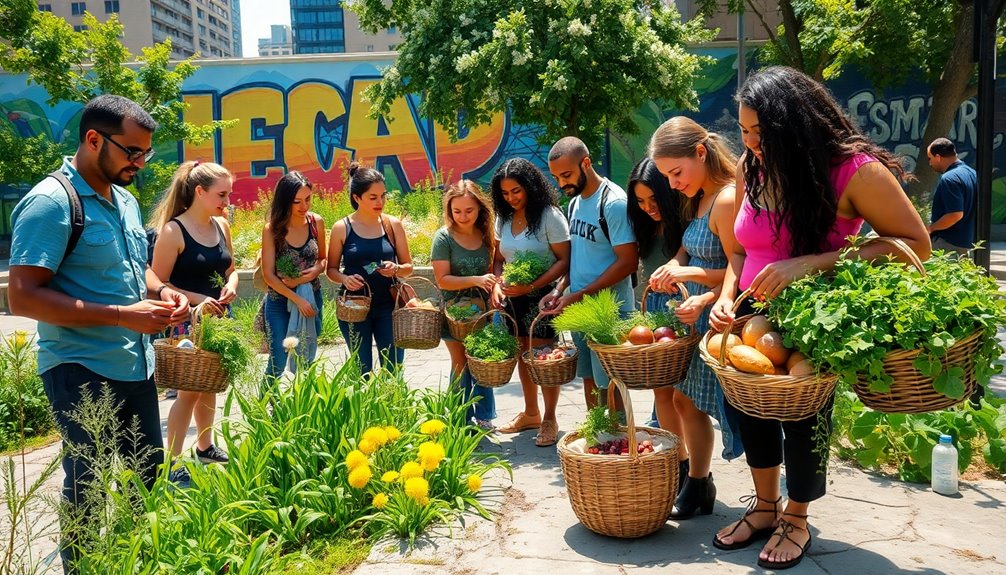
(493, 373)
(781, 397)
(552, 372)
(356, 312)
(621, 495)
(415, 328)
(911, 391)
(652, 365)
(459, 329)
(188, 369)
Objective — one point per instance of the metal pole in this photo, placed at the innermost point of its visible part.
(987, 16)
(741, 49)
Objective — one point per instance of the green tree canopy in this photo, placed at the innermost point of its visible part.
(77, 66)
(575, 67)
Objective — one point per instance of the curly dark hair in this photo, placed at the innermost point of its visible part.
(668, 202)
(804, 134)
(540, 194)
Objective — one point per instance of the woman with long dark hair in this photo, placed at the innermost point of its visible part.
(528, 219)
(295, 236)
(369, 237)
(808, 179)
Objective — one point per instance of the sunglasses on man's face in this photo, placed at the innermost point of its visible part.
(132, 154)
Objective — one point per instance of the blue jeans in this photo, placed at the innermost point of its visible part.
(277, 319)
(65, 386)
(485, 407)
(375, 328)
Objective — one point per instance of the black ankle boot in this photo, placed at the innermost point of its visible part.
(697, 497)
(682, 476)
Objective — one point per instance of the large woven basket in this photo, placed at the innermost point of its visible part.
(551, 372)
(781, 397)
(188, 369)
(353, 308)
(621, 495)
(493, 373)
(911, 391)
(459, 329)
(653, 365)
(415, 328)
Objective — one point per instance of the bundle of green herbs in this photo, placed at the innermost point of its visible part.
(286, 267)
(491, 343)
(525, 267)
(847, 322)
(223, 336)
(599, 420)
(596, 316)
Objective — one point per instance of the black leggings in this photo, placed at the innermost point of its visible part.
(769, 443)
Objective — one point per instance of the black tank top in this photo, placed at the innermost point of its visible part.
(358, 251)
(195, 267)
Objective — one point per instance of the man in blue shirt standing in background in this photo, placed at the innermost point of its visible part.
(94, 296)
(953, 213)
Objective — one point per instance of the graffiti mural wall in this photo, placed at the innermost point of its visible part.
(309, 114)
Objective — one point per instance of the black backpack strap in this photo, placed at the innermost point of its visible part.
(601, 220)
(76, 211)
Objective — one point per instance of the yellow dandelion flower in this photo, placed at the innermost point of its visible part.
(359, 477)
(380, 500)
(431, 450)
(432, 427)
(429, 464)
(474, 483)
(393, 432)
(411, 470)
(389, 476)
(377, 435)
(418, 489)
(356, 459)
(367, 446)
(424, 501)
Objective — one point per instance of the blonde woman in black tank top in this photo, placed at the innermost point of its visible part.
(193, 247)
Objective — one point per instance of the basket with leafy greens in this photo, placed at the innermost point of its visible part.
(646, 350)
(525, 267)
(902, 338)
(491, 352)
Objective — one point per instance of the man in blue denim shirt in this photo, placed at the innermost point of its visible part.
(95, 303)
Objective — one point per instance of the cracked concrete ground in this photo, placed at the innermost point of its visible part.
(867, 524)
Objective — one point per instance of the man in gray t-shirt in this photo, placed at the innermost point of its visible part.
(603, 254)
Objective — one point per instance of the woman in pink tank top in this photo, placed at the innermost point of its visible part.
(807, 180)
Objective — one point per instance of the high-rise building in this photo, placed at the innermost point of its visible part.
(236, 27)
(279, 43)
(323, 26)
(204, 26)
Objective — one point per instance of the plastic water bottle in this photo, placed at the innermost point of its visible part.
(944, 470)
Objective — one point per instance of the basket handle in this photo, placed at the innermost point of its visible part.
(344, 292)
(900, 246)
(530, 331)
(681, 289)
(630, 420)
(413, 278)
(730, 325)
(499, 311)
(197, 326)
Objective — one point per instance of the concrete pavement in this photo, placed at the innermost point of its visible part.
(866, 524)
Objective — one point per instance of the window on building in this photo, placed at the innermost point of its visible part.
(45, 7)
(200, 13)
(392, 47)
(202, 30)
(79, 27)
(78, 8)
(370, 47)
(111, 6)
(393, 30)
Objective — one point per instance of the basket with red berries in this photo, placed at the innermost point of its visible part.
(622, 479)
(550, 366)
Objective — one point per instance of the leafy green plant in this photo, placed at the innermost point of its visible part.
(224, 336)
(462, 312)
(848, 323)
(286, 267)
(599, 420)
(596, 316)
(525, 267)
(652, 320)
(491, 343)
(217, 280)
(24, 408)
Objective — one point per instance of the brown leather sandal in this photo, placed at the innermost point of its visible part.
(548, 434)
(519, 423)
(756, 534)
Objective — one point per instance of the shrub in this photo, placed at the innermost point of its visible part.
(24, 408)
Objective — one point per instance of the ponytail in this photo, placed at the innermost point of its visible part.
(182, 191)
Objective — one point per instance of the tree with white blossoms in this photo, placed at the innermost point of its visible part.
(574, 67)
